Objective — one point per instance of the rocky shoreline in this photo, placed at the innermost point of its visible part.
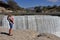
(26, 35)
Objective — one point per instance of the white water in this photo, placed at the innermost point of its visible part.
(40, 23)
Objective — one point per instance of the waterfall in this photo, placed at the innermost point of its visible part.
(40, 23)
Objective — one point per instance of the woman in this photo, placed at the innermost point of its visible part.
(10, 19)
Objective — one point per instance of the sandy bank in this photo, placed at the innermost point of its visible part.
(26, 35)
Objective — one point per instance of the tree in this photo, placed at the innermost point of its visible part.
(58, 8)
(49, 7)
(38, 9)
(54, 6)
(44, 8)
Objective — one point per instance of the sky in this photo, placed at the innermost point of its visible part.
(32, 3)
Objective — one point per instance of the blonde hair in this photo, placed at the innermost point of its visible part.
(9, 15)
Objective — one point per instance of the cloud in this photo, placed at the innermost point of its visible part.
(53, 0)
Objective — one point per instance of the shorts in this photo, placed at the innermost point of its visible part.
(11, 25)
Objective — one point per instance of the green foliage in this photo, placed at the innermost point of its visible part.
(58, 8)
(38, 9)
(46, 8)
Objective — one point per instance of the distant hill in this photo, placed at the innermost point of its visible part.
(5, 7)
(3, 4)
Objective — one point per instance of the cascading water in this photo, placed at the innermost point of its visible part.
(40, 23)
